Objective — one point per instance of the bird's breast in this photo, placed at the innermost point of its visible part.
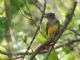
(52, 30)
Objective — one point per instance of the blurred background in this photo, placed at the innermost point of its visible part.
(25, 17)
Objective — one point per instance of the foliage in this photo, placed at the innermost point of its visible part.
(2, 56)
(25, 18)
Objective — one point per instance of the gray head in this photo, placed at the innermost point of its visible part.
(50, 16)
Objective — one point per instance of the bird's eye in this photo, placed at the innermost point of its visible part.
(50, 15)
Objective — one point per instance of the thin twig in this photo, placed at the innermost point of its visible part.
(31, 15)
(37, 29)
(74, 31)
(68, 42)
(24, 15)
(28, 9)
(32, 20)
(37, 6)
(68, 19)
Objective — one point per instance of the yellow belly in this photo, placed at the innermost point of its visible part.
(52, 31)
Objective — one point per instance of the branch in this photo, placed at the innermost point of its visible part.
(3, 52)
(74, 31)
(8, 20)
(38, 28)
(69, 13)
(29, 12)
(8, 27)
(68, 19)
(68, 42)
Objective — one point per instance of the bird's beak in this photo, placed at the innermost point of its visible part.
(45, 15)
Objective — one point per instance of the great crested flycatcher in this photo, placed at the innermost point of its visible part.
(52, 27)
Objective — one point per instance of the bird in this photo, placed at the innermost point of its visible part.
(52, 27)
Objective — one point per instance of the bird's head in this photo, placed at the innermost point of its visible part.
(49, 16)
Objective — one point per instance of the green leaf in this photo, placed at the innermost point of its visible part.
(2, 56)
(40, 57)
(70, 56)
(53, 56)
(40, 38)
(2, 22)
(66, 49)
